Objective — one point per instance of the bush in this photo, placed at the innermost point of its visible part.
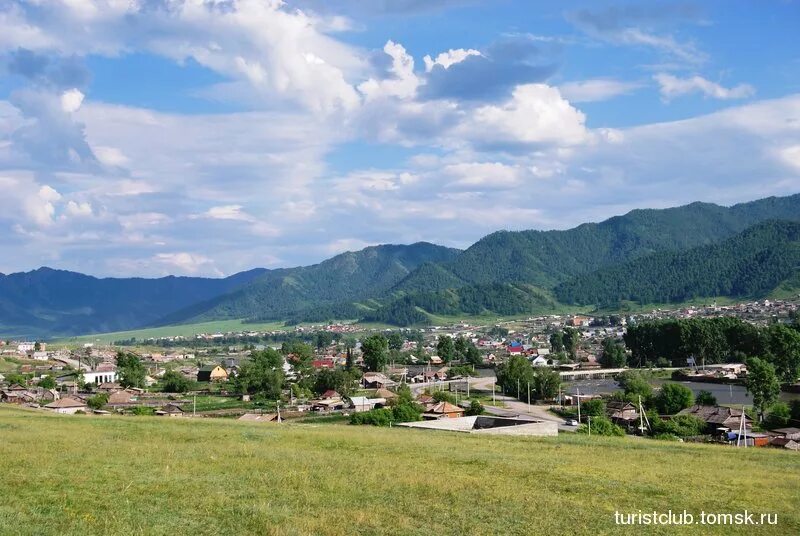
(374, 417)
(705, 398)
(142, 410)
(601, 426)
(444, 396)
(175, 382)
(475, 408)
(678, 426)
(406, 412)
(97, 401)
(778, 416)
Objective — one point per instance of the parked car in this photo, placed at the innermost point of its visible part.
(572, 422)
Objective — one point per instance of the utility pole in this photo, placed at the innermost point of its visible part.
(194, 406)
(517, 388)
(590, 426)
(494, 403)
(579, 405)
(529, 396)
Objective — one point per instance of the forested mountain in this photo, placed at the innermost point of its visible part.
(351, 276)
(57, 302)
(546, 258)
(751, 264)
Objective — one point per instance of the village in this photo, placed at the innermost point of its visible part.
(521, 377)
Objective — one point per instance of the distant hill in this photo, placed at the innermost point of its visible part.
(47, 302)
(349, 277)
(750, 265)
(547, 258)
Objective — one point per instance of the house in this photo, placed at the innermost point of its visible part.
(785, 443)
(376, 380)
(330, 394)
(425, 399)
(323, 364)
(67, 405)
(330, 404)
(109, 387)
(362, 403)
(385, 393)
(47, 395)
(718, 418)
(788, 433)
(539, 361)
(622, 413)
(39, 356)
(212, 373)
(170, 410)
(442, 410)
(123, 396)
(436, 360)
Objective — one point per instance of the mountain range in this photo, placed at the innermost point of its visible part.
(648, 256)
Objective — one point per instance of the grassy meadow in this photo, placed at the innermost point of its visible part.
(150, 475)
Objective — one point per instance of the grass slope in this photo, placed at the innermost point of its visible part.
(137, 475)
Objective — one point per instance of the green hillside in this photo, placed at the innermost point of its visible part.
(546, 258)
(149, 475)
(752, 264)
(351, 276)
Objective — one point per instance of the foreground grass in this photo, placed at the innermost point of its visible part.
(139, 475)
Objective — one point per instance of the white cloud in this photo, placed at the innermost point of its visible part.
(598, 89)
(78, 210)
(71, 100)
(536, 114)
(451, 57)
(790, 156)
(483, 176)
(403, 83)
(672, 86)
(187, 263)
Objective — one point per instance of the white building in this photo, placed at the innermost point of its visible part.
(98, 377)
(25, 347)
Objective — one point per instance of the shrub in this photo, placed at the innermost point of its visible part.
(475, 408)
(595, 407)
(601, 426)
(778, 416)
(142, 410)
(678, 426)
(673, 397)
(374, 417)
(97, 401)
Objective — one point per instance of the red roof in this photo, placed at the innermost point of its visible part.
(323, 363)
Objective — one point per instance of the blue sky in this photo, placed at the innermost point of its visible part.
(203, 137)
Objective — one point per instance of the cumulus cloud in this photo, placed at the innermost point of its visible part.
(671, 86)
(535, 114)
(451, 57)
(402, 83)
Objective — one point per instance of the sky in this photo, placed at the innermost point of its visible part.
(206, 137)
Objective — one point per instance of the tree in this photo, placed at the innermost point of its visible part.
(595, 407)
(375, 348)
(672, 398)
(762, 383)
(130, 370)
(175, 382)
(783, 343)
(395, 340)
(262, 375)
(635, 385)
(778, 415)
(323, 339)
(613, 354)
(678, 426)
(572, 338)
(349, 361)
(97, 401)
(515, 374)
(557, 342)
(475, 408)
(546, 383)
(48, 382)
(601, 426)
(460, 347)
(705, 398)
(37, 346)
(342, 381)
(473, 356)
(445, 348)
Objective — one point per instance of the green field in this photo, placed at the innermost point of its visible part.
(149, 475)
